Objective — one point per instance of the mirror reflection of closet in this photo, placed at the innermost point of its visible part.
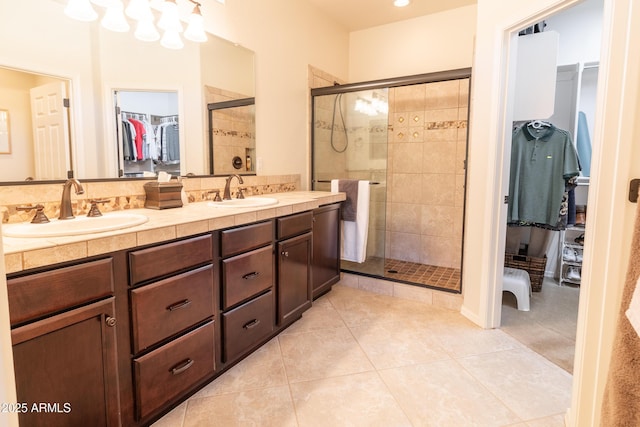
(147, 132)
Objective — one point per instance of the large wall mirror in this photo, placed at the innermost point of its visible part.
(91, 64)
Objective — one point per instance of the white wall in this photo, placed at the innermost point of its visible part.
(437, 42)
(287, 36)
(580, 31)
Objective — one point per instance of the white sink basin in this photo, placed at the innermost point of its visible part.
(73, 227)
(249, 202)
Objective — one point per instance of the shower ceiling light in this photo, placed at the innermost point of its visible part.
(401, 3)
(140, 10)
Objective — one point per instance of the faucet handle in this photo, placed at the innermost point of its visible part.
(217, 195)
(39, 217)
(240, 194)
(93, 210)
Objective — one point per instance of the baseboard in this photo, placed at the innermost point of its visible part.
(471, 316)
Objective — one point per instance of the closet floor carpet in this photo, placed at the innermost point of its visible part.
(549, 328)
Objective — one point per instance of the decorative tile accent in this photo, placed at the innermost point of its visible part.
(123, 195)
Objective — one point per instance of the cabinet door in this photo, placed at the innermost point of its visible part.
(294, 277)
(65, 365)
(325, 259)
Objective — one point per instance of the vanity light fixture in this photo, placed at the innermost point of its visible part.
(80, 10)
(401, 3)
(114, 19)
(195, 29)
(140, 10)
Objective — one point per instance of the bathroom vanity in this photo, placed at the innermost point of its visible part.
(123, 336)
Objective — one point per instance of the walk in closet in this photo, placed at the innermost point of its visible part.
(148, 133)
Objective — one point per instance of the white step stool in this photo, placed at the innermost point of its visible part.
(518, 283)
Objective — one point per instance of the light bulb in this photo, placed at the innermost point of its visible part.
(139, 10)
(114, 19)
(80, 10)
(195, 29)
(146, 31)
(105, 3)
(169, 19)
(401, 3)
(171, 40)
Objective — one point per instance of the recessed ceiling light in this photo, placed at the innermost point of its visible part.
(401, 3)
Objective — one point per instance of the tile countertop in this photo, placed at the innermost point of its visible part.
(167, 224)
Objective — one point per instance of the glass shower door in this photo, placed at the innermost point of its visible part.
(350, 142)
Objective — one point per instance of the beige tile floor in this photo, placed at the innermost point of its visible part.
(362, 359)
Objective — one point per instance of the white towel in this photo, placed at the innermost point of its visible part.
(354, 233)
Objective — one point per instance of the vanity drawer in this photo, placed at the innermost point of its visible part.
(245, 238)
(247, 325)
(166, 373)
(293, 225)
(41, 294)
(161, 260)
(246, 275)
(169, 306)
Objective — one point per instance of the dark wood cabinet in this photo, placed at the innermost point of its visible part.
(247, 297)
(294, 266)
(247, 325)
(170, 306)
(66, 363)
(187, 310)
(166, 373)
(294, 278)
(325, 257)
(173, 322)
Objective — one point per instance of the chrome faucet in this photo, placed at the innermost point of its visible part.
(66, 211)
(227, 186)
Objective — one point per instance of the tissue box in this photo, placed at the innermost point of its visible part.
(163, 195)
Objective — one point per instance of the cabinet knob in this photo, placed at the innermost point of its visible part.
(110, 321)
(285, 253)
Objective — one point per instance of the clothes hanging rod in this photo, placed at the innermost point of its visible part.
(328, 181)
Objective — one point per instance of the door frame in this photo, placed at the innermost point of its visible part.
(610, 215)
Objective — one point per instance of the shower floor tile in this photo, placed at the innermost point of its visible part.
(411, 272)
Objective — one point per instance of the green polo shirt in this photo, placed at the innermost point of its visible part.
(541, 160)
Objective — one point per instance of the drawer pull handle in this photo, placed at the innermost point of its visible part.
(285, 253)
(179, 305)
(251, 275)
(182, 366)
(252, 324)
(110, 321)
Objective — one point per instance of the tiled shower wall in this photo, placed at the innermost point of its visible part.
(425, 178)
(233, 131)
(417, 157)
